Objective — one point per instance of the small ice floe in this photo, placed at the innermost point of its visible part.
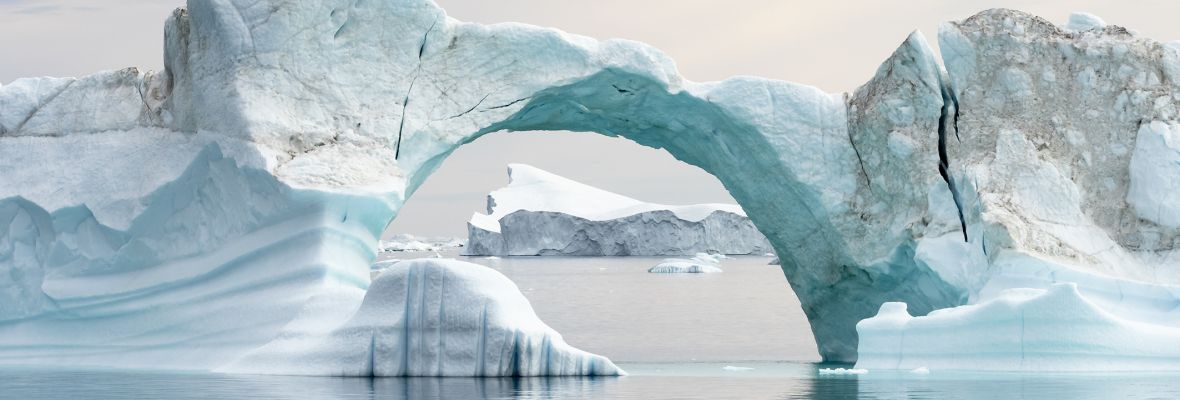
(842, 371)
(491, 258)
(921, 371)
(682, 266)
(735, 369)
(437, 255)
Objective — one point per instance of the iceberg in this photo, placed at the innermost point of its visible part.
(700, 264)
(406, 242)
(541, 213)
(425, 317)
(183, 218)
(1055, 329)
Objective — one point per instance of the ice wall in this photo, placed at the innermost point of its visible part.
(327, 115)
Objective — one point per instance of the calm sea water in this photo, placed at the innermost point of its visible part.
(735, 335)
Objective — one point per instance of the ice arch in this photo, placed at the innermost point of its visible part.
(284, 135)
(840, 196)
(337, 111)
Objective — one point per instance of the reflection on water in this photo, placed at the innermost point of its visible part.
(654, 381)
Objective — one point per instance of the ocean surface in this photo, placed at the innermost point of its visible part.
(734, 335)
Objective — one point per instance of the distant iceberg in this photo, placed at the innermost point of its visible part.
(701, 263)
(406, 242)
(540, 213)
(425, 317)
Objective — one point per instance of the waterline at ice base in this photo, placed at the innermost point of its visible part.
(247, 184)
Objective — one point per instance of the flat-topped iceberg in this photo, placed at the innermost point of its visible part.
(425, 317)
(541, 213)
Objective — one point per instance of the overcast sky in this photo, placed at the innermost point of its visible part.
(835, 45)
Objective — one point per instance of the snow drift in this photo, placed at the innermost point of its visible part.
(182, 218)
(540, 213)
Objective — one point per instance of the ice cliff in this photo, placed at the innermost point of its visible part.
(540, 213)
(183, 218)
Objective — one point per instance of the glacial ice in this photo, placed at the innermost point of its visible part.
(1057, 329)
(425, 317)
(283, 136)
(541, 213)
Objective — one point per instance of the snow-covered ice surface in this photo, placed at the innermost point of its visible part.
(541, 213)
(1058, 329)
(183, 218)
(425, 317)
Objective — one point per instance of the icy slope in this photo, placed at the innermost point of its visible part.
(540, 213)
(426, 317)
(183, 217)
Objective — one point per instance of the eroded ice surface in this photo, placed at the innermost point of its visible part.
(1055, 329)
(541, 213)
(425, 317)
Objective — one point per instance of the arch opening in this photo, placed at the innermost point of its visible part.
(611, 305)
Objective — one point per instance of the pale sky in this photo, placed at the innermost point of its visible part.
(835, 45)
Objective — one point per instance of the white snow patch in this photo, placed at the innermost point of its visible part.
(533, 189)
